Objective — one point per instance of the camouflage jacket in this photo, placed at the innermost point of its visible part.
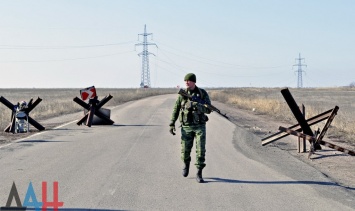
(195, 115)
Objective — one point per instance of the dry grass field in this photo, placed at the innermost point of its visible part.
(269, 101)
(56, 102)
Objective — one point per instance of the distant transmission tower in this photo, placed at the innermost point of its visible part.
(299, 70)
(145, 76)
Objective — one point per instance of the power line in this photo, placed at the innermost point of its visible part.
(219, 73)
(68, 59)
(213, 62)
(31, 47)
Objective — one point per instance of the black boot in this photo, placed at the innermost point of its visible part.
(199, 178)
(185, 170)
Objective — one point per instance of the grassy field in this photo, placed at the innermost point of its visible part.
(269, 101)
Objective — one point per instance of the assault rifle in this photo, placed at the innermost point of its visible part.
(199, 100)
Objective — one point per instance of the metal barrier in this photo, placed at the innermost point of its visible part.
(304, 126)
(25, 114)
(93, 108)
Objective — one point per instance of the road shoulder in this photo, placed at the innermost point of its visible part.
(337, 166)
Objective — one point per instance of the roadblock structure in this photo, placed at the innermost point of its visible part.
(20, 116)
(93, 108)
(315, 139)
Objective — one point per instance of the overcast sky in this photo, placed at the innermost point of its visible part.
(226, 43)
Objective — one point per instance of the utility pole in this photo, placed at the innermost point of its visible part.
(299, 70)
(145, 76)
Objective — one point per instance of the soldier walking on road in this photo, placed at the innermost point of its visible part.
(192, 116)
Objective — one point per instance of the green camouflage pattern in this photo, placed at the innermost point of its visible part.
(188, 135)
(179, 111)
(192, 130)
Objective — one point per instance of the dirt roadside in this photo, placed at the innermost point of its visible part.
(336, 165)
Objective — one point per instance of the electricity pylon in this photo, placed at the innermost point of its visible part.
(145, 76)
(299, 70)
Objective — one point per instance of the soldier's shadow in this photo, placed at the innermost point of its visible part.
(303, 182)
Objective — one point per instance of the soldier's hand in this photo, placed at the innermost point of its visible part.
(172, 129)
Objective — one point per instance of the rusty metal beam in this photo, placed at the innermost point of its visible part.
(93, 108)
(103, 101)
(82, 103)
(103, 117)
(7, 129)
(32, 105)
(30, 102)
(7, 103)
(296, 112)
(298, 115)
(322, 142)
(296, 133)
(13, 122)
(327, 124)
(82, 120)
(311, 121)
(35, 124)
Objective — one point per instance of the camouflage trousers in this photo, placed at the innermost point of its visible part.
(188, 135)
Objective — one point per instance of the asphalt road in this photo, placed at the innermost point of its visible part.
(135, 165)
